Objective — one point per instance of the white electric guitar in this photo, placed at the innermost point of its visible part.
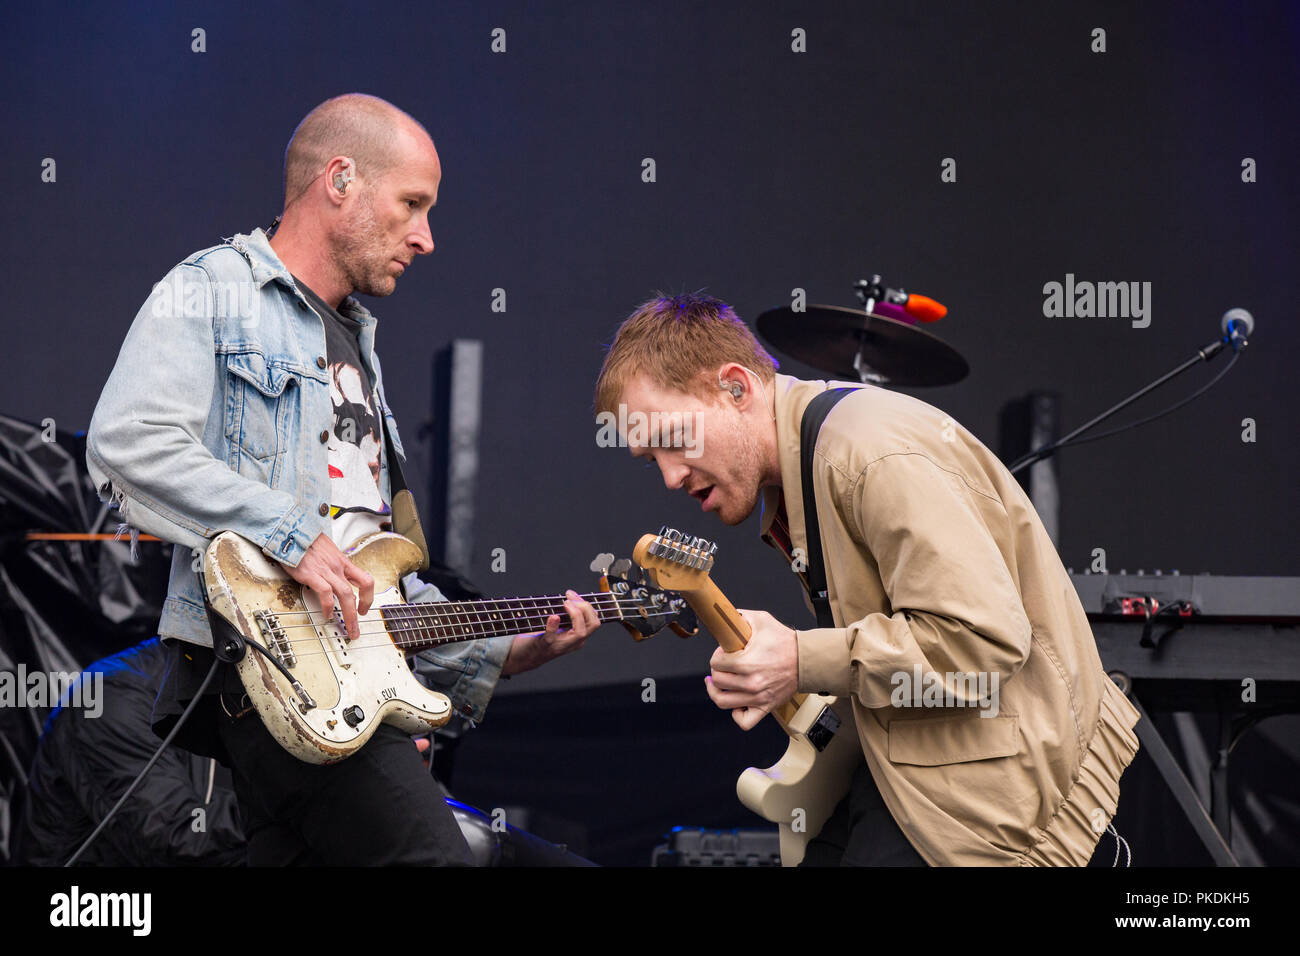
(800, 792)
(321, 694)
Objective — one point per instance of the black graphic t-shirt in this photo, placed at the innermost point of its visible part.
(356, 439)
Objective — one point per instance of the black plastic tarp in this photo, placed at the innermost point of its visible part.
(63, 603)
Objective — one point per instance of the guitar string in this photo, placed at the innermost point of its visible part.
(395, 639)
(425, 634)
(602, 598)
(399, 628)
(444, 617)
(398, 636)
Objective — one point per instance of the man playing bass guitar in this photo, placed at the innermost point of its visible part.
(247, 397)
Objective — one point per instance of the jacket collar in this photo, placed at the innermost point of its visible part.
(266, 266)
(791, 397)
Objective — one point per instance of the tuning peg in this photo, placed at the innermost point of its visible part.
(621, 568)
(602, 562)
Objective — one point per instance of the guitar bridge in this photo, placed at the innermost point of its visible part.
(823, 729)
(273, 636)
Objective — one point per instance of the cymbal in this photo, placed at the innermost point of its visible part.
(889, 352)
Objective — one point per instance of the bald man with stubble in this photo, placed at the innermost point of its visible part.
(248, 397)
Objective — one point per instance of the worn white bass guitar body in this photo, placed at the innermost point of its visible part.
(801, 790)
(322, 695)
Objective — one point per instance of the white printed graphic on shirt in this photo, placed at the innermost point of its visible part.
(354, 447)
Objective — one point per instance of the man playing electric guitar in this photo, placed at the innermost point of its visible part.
(990, 732)
(247, 397)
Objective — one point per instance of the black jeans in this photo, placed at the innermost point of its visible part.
(378, 807)
(861, 832)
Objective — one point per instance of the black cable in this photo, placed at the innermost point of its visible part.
(149, 766)
(1172, 408)
(303, 696)
(1038, 454)
(273, 659)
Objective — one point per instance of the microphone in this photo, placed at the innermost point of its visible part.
(919, 307)
(923, 308)
(896, 312)
(1237, 325)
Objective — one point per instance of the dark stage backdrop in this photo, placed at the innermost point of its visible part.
(1168, 158)
(774, 170)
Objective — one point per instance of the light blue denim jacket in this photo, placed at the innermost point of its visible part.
(211, 421)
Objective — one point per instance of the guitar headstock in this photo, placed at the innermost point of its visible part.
(645, 609)
(675, 561)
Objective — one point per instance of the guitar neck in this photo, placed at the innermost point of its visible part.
(719, 615)
(731, 631)
(415, 627)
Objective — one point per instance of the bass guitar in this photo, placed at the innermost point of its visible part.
(321, 694)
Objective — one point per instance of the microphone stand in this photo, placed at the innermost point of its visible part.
(1233, 338)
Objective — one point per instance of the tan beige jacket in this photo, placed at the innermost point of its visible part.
(937, 564)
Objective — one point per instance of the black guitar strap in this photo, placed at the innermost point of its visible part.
(406, 520)
(396, 480)
(810, 425)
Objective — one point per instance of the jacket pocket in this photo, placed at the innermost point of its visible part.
(257, 411)
(944, 740)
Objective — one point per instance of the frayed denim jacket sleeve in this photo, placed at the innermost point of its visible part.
(145, 443)
(466, 672)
